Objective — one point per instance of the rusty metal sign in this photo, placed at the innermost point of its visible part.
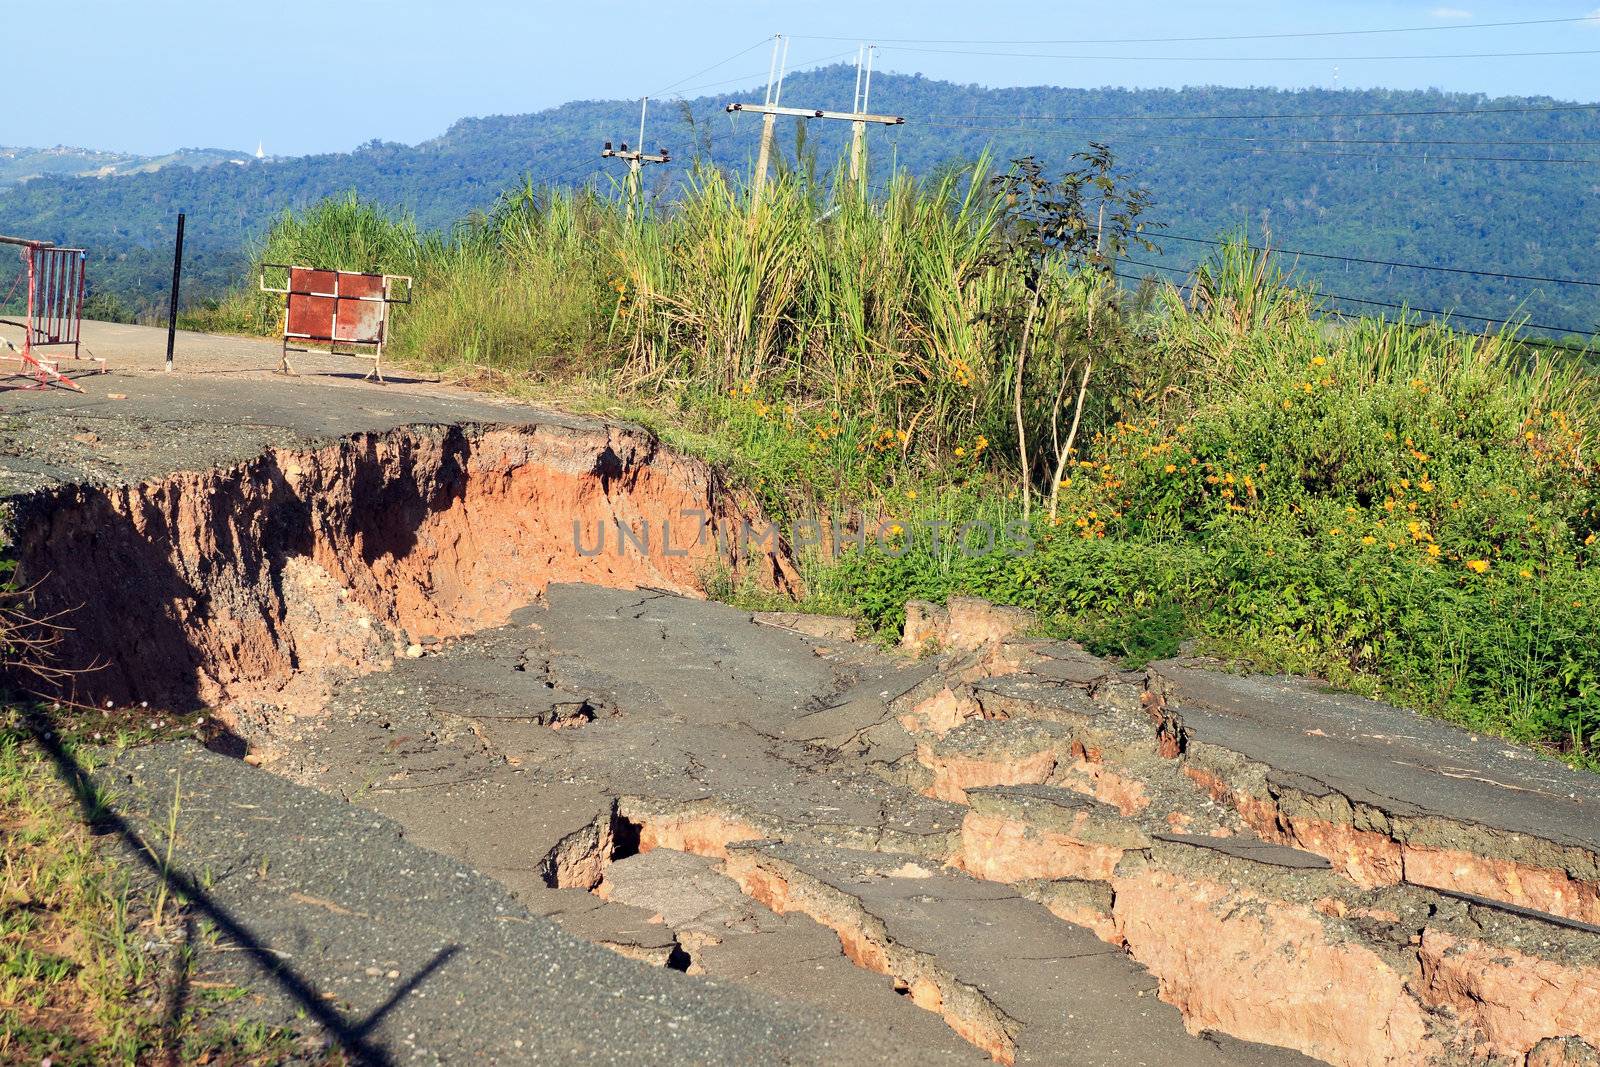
(55, 282)
(345, 312)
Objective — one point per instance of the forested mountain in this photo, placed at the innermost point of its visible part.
(1320, 170)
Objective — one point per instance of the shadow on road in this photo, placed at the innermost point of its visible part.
(352, 1035)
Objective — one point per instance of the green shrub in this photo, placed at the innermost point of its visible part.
(1410, 512)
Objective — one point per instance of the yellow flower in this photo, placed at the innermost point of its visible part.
(1318, 361)
(1369, 540)
(1477, 566)
(1335, 532)
(1433, 550)
(960, 451)
(896, 530)
(911, 494)
(1525, 573)
(1171, 467)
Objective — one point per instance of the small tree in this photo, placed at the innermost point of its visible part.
(1053, 230)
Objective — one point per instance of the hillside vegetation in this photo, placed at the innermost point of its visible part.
(1404, 510)
(1417, 204)
(24, 164)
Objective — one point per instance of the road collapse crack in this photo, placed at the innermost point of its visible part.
(965, 1008)
(263, 579)
(640, 606)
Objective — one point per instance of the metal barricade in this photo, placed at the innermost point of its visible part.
(54, 280)
(337, 308)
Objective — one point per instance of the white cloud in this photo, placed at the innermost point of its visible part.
(1450, 13)
(1593, 18)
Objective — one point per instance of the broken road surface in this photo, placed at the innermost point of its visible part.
(499, 791)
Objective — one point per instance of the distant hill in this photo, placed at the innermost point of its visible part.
(23, 164)
(1321, 173)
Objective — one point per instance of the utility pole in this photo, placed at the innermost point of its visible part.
(636, 159)
(772, 107)
(858, 133)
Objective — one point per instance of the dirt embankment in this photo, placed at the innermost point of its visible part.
(209, 586)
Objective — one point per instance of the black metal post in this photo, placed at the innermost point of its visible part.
(172, 309)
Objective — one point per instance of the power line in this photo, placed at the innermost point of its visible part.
(1421, 113)
(712, 67)
(756, 76)
(1463, 315)
(1389, 263)
(1401, 142)
(1244, 59)
(592, 167)
(1259, 147)
(1399, 307)
(1228, 37)
(1559, 346)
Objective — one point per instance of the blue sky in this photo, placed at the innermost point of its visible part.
(326, 75)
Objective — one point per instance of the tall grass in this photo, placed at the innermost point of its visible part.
(881, 306)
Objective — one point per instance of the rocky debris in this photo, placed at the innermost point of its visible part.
(1024, 833)
(985, 752)
(964, 624)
